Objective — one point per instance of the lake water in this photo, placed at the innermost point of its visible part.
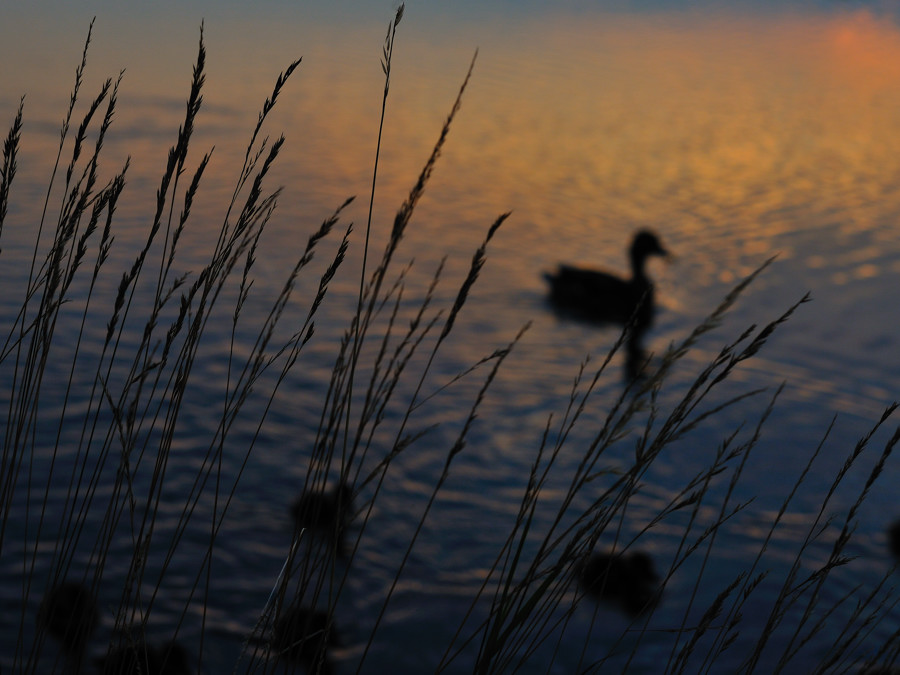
(737, 133)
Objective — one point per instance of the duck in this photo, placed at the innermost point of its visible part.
(305, 636)
(606, 298)
(628, 581)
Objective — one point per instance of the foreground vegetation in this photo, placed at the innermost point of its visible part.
(110, 444)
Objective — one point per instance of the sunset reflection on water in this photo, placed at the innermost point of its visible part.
(585, 126)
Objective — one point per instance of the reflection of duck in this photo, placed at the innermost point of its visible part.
(69, 614)
(324, 512)
(606, 298)
(304, 636)
(628, 581)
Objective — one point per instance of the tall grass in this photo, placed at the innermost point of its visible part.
(117, 470)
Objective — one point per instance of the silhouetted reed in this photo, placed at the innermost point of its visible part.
(117, 471)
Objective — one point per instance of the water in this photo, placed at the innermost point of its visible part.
(736, 134)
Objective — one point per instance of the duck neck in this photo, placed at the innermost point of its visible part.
(637, 266)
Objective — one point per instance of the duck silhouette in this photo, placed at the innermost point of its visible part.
(626, 580)
(606, 298)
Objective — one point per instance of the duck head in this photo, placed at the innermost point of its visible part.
(645, 244)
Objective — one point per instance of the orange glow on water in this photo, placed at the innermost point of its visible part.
(864, 50)
(586, 127)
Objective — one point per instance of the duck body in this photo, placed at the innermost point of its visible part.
(606, 298)
(602, 297)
